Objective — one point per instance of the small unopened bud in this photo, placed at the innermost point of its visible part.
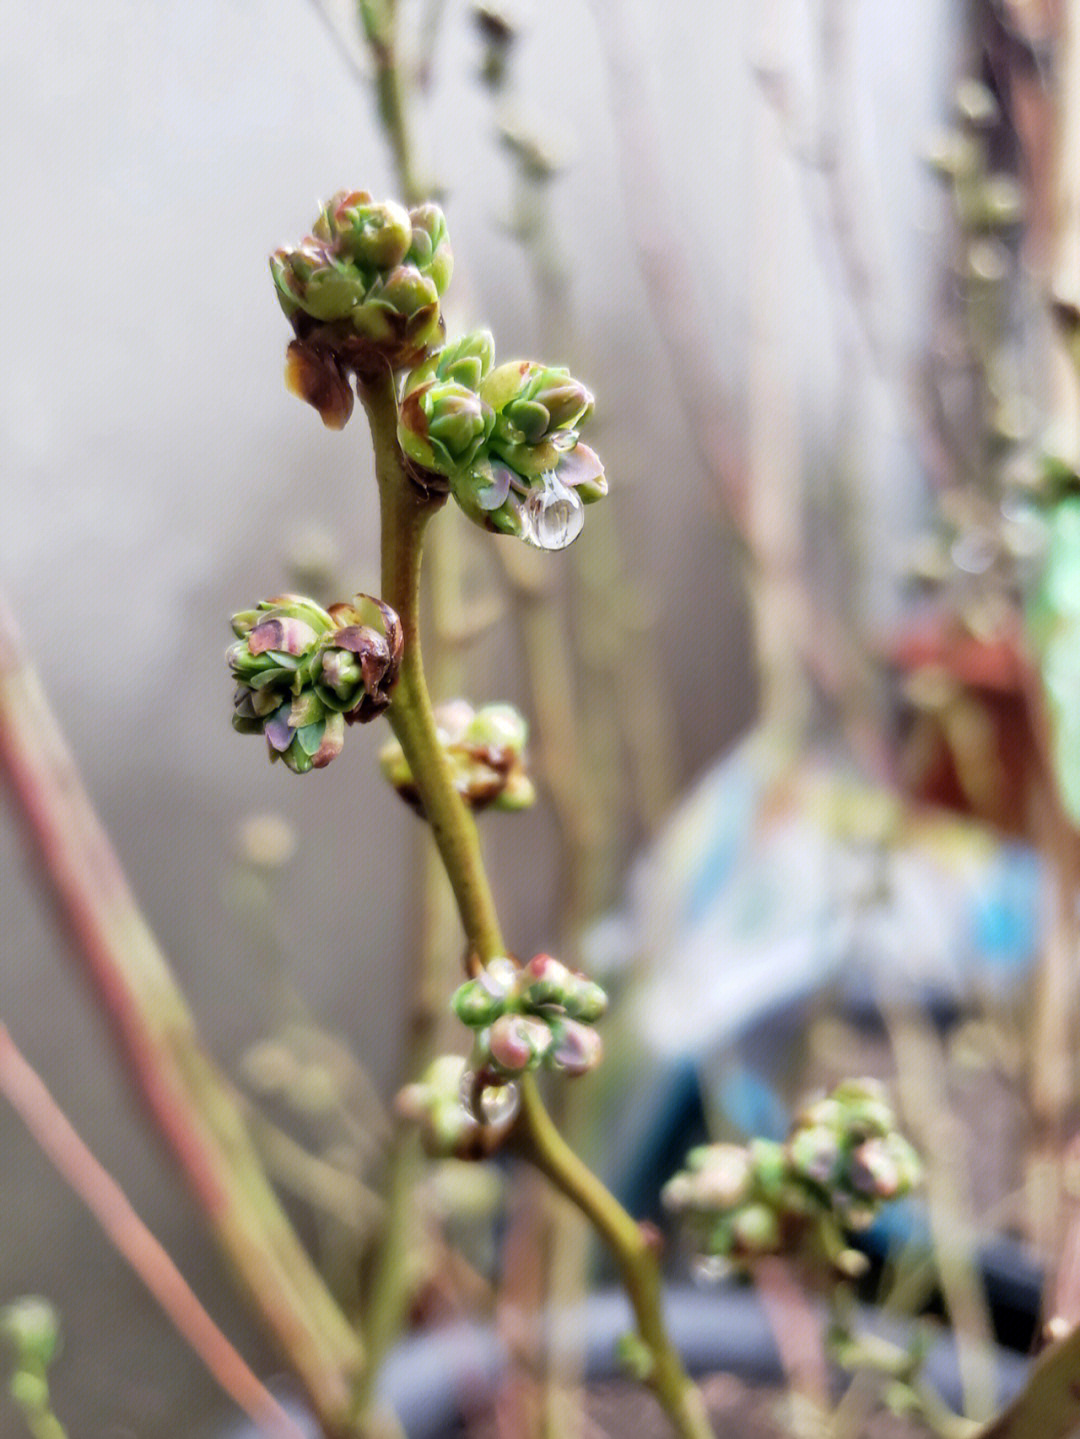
(544, 981)
(577, 1048)
(517, 1042)
(32, 1327)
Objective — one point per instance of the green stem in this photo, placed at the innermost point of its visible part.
(405, 513)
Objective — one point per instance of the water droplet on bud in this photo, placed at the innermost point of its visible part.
(496, 1104)
(552, 515)
(499, 1104)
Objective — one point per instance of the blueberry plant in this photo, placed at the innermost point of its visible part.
(363, 294)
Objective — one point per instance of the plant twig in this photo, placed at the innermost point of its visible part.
(54, 1134)
(405, 514)
(194, 1107)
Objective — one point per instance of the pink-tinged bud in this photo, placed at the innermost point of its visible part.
(290, 636)
(577, 1048)
(517, 1042)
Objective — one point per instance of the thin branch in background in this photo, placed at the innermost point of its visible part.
(194, 1107)
(670, 281)
(833, 660)
(54, 1134)
(350, 53)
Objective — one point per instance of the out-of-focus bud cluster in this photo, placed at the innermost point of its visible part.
(528, 1016)
(843, 1159)
(435, 1104)
(485, 750)
(361, 291)
(507, 440)
(301, 672)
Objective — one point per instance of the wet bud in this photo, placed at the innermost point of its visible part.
(536, 408)
(517, 1042)
(301, 671)
(491, 495)
(532, 476)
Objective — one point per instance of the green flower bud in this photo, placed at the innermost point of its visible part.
(492, 496)
(544, 981)
(530, 476)
(725, 1180)
(442, 426)
(465, 362)
(361, 291)
(815, 1154)
(770, 1163)
(376, 236)
(31, 1326)
(585, 1000)
(538, 411)
(430, 246)
(479, 1002)
(498, 726)
(311, 279)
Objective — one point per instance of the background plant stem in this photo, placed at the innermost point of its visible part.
(191, 1102)
(52, 1130)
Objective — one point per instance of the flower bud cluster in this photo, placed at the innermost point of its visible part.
(485, 752)
(362, 290)
(434, 1103)
(505, 439)
(525, 1017)
(301, 672)
(843, 1159)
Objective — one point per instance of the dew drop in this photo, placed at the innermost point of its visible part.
(552, 515)
(494, 1104)
(499, 1104)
